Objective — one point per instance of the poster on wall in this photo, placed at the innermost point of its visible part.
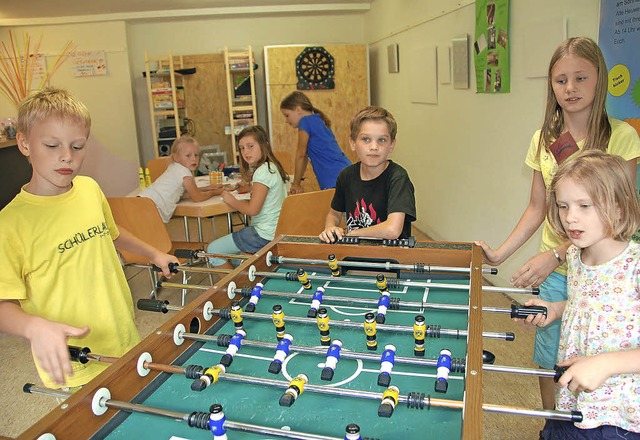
(491, 46)
(619, 40)
(88, 63)
(39, 69)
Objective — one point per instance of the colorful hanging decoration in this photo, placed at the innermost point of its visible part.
(22, 69)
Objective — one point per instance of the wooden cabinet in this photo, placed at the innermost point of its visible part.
(167, 104)
(15, 171)
(241, 93)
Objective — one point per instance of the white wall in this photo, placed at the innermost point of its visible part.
(121, 131)
(190, 37)
(465, 155)
(113, 149)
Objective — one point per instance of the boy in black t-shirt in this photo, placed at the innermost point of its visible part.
(375, 194)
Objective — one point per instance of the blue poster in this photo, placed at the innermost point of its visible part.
(619, 41)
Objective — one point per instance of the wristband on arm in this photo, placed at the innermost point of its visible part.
(557, 255)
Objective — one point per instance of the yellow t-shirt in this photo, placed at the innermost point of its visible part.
(624, 142)
(59, 261)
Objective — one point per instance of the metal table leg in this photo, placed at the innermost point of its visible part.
(199, 228)
(186, 228)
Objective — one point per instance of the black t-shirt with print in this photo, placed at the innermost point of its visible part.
(369, 202)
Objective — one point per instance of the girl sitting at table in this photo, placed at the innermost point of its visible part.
(259, 166)
(167, 190)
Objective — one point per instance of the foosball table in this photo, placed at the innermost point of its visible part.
(304, 340)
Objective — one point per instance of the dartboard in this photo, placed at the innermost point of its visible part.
(314, 67)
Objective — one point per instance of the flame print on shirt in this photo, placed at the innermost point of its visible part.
(362, 217)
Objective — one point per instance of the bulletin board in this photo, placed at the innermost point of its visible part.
(351, 93)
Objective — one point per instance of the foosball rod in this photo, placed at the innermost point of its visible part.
(175, 268)
(457, 365)
(83, 355)
(151, 305)
(413, 400)
(222, 341)
(516, 311)
(102, 401)
(195, 254)
(392, 282)
(388, 266)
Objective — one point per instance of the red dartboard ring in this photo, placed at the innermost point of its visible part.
(315, 69)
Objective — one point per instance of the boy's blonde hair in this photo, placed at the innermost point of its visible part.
(598, 127)
(608, 183)
(262, 138)
(373, 113)
(51, 102)
(184, 139)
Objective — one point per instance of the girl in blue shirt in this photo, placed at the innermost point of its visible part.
(316, 142)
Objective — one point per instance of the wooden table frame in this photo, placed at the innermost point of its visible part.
(205, 209)
(74, 419)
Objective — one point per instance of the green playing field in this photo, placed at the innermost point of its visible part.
(312, 412)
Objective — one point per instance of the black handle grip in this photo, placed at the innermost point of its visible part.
(26, 388)
(559, 372)
(576, 416)
(173, 268)
(186, 253)
(522, 312)
(488, 357)
(535, 291)
(79, 354)
(152, 305)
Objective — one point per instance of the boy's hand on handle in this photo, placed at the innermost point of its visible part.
(162, 260)
(585, 373)
(49, 346)
(332, 234)
(535, 270)
(296, 189)
(489, 255)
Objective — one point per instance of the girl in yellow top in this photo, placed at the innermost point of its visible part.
(575, 119)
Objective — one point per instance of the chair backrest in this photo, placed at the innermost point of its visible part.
(158, 166)
(304, 214)
(139, 216)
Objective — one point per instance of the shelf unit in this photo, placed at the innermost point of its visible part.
(167, 104)
(241, 92)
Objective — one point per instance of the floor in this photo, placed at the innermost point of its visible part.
(18, 411)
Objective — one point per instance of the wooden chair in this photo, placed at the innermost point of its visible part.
(158, 166)
(304, 214)
(140, 217)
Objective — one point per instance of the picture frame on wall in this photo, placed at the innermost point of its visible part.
(392, 58)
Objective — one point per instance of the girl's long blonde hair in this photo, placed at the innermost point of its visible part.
(261, 137)
(599, 129)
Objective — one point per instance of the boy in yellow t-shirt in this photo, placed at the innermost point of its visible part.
(61, 281)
